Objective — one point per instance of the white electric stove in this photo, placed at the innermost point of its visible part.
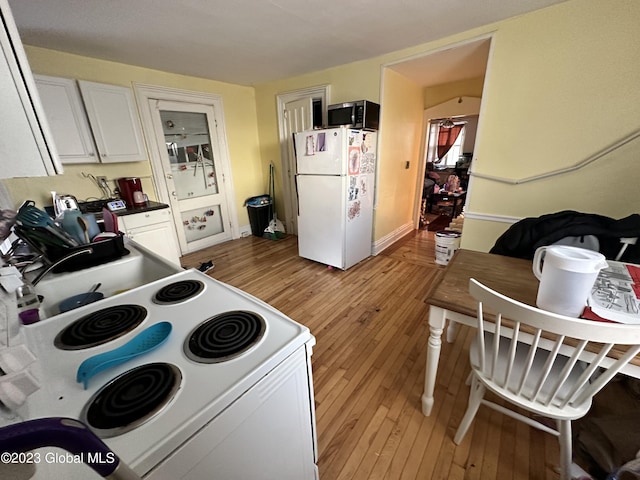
(213, 413)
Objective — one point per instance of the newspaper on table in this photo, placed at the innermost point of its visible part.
(616, 294)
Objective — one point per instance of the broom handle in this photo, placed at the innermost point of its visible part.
(272, 190)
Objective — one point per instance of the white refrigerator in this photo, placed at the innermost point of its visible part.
(335, 186)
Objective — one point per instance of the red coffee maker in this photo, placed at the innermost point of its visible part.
(127, 187)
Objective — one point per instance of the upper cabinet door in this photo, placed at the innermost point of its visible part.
(114, 121)
(67, 119)
(26, 148)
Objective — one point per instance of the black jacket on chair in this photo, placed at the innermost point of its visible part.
(523, 237)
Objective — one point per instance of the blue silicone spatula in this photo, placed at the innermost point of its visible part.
(147, 340)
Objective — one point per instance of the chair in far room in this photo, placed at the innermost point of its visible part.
(431, 180)
(548, 364)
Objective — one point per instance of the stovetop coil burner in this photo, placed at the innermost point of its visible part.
(100, 327)
(224, 336)
(178, 292)
(131, 399)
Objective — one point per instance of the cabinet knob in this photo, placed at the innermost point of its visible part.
(169, 176)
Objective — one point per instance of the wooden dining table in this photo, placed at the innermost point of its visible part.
(449, 300)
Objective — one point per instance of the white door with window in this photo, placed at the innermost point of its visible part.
(193, 172)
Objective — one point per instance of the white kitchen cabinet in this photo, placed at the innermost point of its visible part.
(92, 122)
(26, 148)
(114, 122)
(67, 118)
(153, 230)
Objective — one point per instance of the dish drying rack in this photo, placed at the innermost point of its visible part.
(52, 245)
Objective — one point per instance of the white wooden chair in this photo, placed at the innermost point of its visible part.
(529, 357)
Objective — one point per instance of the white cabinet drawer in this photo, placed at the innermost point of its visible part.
(143, 219)
(153, 230)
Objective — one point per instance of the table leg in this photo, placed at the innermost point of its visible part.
(437, 317)
(452, 330)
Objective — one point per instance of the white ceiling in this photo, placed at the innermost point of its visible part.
(248, 42)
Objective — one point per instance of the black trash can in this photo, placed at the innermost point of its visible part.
(258, 209)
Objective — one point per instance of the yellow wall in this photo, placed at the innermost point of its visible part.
(239, 114)
(562, 85)
(400, 127)
(399, 142)
(441, 93)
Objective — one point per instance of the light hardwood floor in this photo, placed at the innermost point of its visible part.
(370, 324)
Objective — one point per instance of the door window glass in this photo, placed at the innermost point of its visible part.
(189, 147)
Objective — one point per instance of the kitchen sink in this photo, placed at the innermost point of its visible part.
(137, 268)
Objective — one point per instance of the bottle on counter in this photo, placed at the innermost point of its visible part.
(28, 304)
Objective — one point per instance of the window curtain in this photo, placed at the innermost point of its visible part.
(446, 138)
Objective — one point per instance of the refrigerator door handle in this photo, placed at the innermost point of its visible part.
(295, 182)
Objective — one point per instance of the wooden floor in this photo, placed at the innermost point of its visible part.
(370, 323)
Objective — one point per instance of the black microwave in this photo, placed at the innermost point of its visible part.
(361, 114)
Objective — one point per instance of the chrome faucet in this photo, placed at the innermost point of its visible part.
(60, 261)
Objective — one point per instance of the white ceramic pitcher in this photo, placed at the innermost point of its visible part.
(566, 276)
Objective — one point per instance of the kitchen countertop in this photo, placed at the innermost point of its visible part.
(96, 206)
(151, 205)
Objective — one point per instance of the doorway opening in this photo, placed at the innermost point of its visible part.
(446, 160)
(318, 118)
(444, 177)
(450, 73)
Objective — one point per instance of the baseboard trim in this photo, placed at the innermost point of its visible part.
(487, 217)
(391, 238)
